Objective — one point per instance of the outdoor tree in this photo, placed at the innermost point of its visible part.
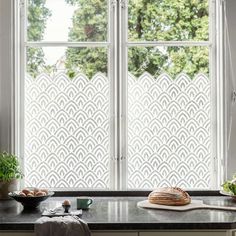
(37, 18)
(89, 25)
(163, 20)
(168, 20)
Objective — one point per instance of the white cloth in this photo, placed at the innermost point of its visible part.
(61, 226)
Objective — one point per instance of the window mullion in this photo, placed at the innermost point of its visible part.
(221, 101)
(123, 98)
(22, 71)
(112, 74)
(214, 108)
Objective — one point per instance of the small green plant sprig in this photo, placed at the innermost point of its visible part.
(229, 186)
(9, 167)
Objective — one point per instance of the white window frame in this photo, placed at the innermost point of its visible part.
(119, 113)
(222, 100)
(112, 52)
(217, 108)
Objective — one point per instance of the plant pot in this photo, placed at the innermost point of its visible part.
(8, 186)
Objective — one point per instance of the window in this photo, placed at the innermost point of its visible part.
(168, 101)
(118, 94)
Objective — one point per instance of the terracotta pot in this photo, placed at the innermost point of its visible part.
(8, 186)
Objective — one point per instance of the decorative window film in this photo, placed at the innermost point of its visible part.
(72, 116)
(67, 131)
(169, 131)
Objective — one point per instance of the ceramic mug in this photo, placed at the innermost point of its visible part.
(84, 202)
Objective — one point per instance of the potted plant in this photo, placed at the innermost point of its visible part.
(9, 174)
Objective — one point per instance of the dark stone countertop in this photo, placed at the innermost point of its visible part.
(122, 213)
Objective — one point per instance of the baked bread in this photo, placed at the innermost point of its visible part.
(171, 196)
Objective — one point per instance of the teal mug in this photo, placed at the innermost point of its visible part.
(84, 202)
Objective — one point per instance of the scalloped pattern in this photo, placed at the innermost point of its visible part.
(67, 131)
(169, 132)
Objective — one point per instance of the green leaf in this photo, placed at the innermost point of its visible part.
(9, 167)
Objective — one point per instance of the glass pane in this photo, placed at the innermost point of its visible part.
(172, 60)
(71, 61)
(169, 123)
(168, 20)
(66, 119)
(67, 20)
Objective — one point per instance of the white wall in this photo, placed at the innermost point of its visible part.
(231, 19)
(5, 73)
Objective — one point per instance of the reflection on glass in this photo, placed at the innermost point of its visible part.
(71, 61)
(67, 20)
(172, 60)
(168, 20)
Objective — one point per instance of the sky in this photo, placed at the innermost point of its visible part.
(57, 28)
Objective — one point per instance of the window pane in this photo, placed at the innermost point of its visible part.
(66, 120)
(172, 60)
(169, 123)
(72, 60)
(168, 20)
(67, 20)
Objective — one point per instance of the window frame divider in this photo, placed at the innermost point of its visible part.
(213, 102)
(67, 44)
(222, 99)
(123, 76)
(169, 43)
(112, 75)
(21, 61)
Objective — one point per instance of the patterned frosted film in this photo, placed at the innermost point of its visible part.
(169, 122)
(67, 131)
(166, 20)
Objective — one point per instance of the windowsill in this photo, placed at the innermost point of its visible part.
(130, 193)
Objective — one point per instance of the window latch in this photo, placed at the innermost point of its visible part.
(234, 96)
(114, 3)
(123, 4)
(222, 2)
(22, 3)
(22, 7)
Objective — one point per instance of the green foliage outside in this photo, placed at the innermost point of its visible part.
(9, 167)
(89, 25)
(168, 20)
(162, 20)
(37, 19)
(149, 20)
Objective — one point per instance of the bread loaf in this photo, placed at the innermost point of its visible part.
(171, 196)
